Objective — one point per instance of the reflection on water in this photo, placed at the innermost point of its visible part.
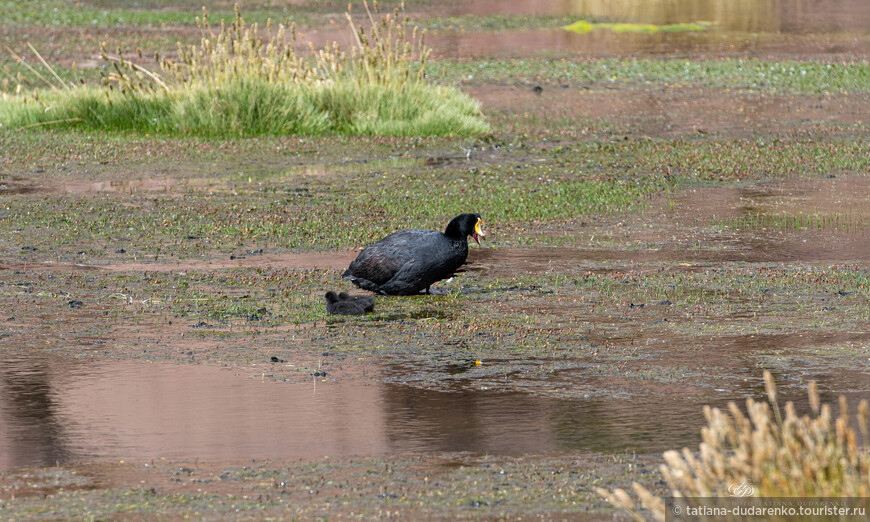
(779, 26)
(59, 410)
(29, 427)
(492, 422)
(750, 16)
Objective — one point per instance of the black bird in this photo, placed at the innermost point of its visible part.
(343, 304)
(408, 261)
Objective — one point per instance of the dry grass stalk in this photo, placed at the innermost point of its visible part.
(808, 456)
(386, 54)
(21, 61)
(240, 82)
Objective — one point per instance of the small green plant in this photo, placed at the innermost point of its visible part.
(808, 456)
(238, 82)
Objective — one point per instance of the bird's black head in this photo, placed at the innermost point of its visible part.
(331, 297)
(465, 225)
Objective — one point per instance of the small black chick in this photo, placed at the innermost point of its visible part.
(367, 302)
(408, 261)
(343, 304)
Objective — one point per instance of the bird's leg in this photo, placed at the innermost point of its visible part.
(427, 290)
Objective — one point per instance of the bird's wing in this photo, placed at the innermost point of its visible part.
(380, 261)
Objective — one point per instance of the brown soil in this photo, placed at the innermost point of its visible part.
(672, 112)
(442, 486)
(326, 260)
(158, 415)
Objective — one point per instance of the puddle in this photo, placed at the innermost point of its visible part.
(811, 220)
(790, 26)
(834, 194)
(796, 220)
(820, 248)
(64, 410)
(664, 365)
(798, 16)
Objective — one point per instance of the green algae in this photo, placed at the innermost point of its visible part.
(583, 27)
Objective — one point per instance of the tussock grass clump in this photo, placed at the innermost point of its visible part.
(810, 456)
(238, 82)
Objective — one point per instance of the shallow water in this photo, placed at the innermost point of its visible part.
(754, 16)
(61, 410)
(789, 26)
(66, 410)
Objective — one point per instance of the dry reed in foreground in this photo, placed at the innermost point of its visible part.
(810, 456)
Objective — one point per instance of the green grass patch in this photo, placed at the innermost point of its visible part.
(237, 83)
(782, 76)
(510, 197)
(328, 214)
(62, 13)
(252, 108)
(692, 161)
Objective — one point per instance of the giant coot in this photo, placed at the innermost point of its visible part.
(408, 261)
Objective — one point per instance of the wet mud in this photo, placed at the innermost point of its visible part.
(327, 487)
(311, 261)
(667, 113)
(214, 382)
